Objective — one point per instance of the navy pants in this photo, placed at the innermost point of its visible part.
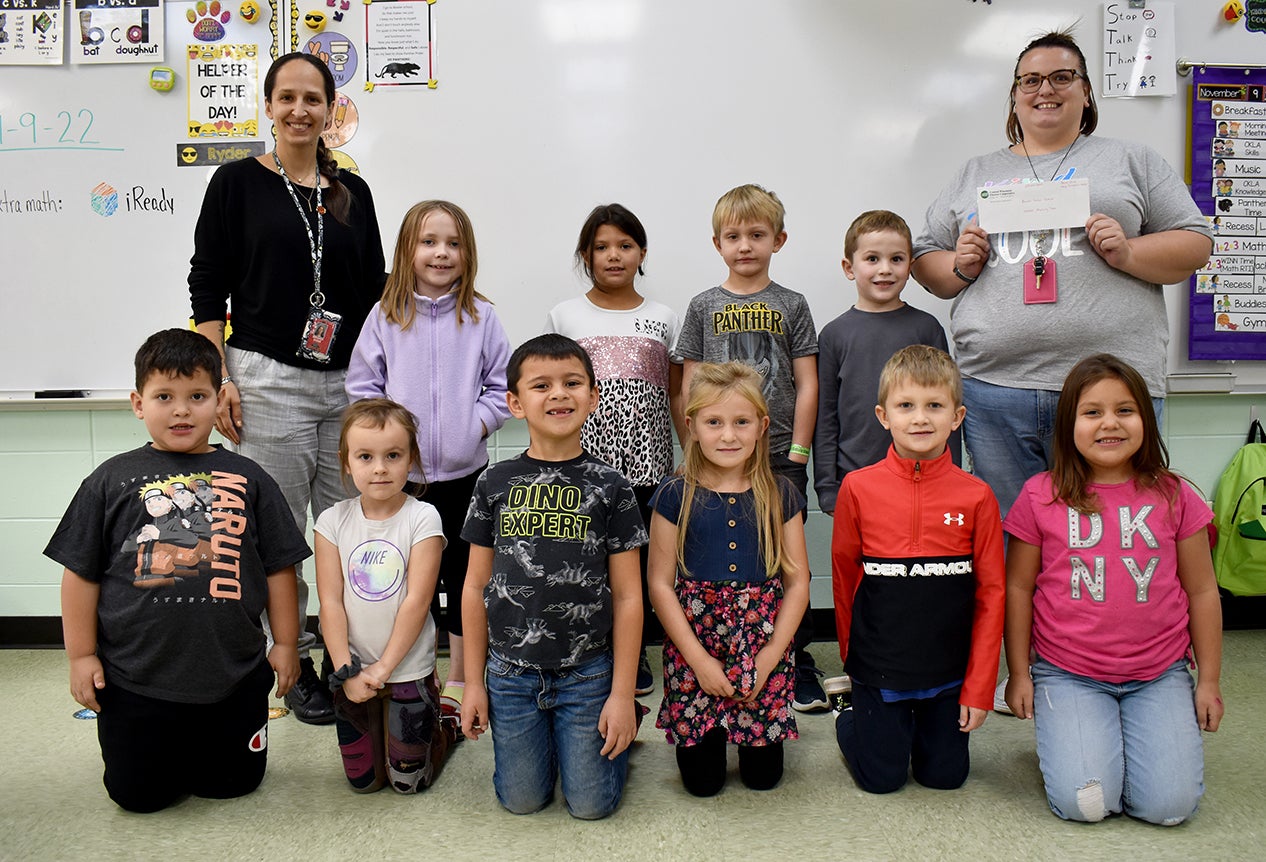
(883, 743)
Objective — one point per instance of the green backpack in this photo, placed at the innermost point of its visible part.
(1239, 513)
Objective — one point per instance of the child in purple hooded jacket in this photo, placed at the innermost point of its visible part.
(434, 345)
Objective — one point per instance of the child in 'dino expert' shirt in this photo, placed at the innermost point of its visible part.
(917, 573)
(163, 591)
(553, 604)
(749, 318)
(854, 347)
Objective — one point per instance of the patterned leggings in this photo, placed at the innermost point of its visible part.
(396, 737)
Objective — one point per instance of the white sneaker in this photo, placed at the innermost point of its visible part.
(1000, 699)
(839, 692)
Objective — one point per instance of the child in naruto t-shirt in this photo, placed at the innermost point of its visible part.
(161, 604)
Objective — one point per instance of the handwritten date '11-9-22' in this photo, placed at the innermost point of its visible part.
(68, 130)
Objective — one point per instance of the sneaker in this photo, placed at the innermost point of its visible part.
(451, 700)
(809, 694)
(309, 700)
(839, 692)
(451, 727)
(645, 682)
(1000, 699)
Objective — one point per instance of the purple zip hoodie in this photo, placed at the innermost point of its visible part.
(453, 379)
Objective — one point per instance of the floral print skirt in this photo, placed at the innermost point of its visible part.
(732, 620)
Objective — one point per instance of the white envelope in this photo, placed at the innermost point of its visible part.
(1033, 206)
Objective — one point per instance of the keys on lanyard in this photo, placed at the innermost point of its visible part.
(1040, 285)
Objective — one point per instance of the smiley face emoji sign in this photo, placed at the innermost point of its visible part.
(314, 20)
(249, 11)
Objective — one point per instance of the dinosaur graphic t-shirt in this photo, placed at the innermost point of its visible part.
(181, 546)
(551, 525)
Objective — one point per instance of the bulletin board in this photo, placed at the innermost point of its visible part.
(527, 113)
(1228, 167)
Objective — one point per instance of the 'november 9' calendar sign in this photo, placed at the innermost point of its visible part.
(1228, 183)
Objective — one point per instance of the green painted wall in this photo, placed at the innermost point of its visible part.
(46, 450)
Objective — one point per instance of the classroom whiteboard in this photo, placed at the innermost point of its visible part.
(540, 111)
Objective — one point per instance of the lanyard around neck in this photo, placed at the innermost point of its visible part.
(316, 247)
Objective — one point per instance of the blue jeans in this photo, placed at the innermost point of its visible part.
(1009, 433)
(1110, 747)
(291, 419)
(545, 726)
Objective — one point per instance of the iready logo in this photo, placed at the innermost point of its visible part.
(104, 200)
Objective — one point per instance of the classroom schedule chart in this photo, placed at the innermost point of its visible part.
(1228, 172)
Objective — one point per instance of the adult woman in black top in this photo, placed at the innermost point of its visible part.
(291, 243)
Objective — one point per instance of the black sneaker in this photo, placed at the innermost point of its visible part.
(809, 694)
(645, 682)
(308, 699)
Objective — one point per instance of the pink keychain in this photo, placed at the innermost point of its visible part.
(1039, 281)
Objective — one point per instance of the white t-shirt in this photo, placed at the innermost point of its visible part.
(375, 560)
(632, 429)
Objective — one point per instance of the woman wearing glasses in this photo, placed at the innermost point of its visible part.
(1028, 305)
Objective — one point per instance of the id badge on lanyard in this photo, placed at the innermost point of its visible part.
(321, 326)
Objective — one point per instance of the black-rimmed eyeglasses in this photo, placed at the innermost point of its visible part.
(1061, 79)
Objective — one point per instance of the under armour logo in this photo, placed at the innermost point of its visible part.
(954, 519)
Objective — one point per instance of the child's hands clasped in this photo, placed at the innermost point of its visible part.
(712, 677)
(87, 677)
(364, 685)
(766, 660)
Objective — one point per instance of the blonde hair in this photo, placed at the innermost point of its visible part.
(397, 296)
(922, 365)
(710, 384)
(748, 203)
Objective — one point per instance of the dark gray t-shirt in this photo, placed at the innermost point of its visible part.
(181, 546)
(853, 349)
(551, 525)
(767, 330)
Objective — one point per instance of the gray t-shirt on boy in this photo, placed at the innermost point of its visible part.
(853, 349)
(767, 330)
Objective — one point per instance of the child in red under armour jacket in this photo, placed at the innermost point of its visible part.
(919, 583)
